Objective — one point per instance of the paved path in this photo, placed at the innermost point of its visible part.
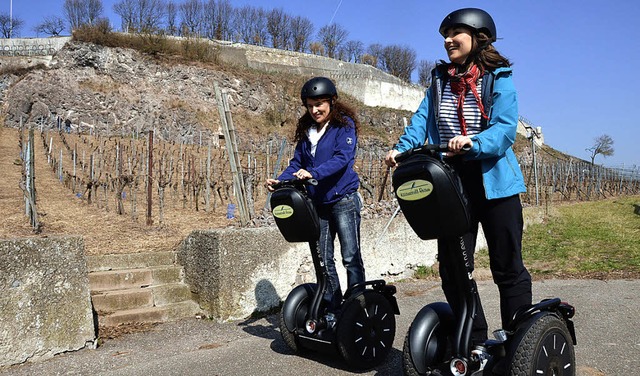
(607, 323)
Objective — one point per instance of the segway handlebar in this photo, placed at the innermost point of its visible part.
(294, 183)
(428, 149)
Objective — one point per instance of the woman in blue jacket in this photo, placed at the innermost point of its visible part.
(453, 112)
(326, 137)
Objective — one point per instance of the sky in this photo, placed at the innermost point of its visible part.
(574, 61)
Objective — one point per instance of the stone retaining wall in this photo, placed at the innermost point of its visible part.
(45, 305)
(236, 272)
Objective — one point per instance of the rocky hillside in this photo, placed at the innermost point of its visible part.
(120, 91)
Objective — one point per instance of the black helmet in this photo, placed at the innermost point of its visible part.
(318, 87)
(476, 19)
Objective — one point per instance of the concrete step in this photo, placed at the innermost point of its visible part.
(130, 261)
(102, 281)
(139, 288)
(169, 312)
(118, 300)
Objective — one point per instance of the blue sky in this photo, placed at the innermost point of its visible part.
(575, 61)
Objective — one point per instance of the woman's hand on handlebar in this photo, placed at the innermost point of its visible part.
(269, 184)
(458, 145)
(390, 159)
(302, 174)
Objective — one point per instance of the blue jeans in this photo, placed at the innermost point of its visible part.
(343, 219)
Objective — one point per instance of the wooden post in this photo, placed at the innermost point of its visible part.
(150, 180)
(232, 149)
(207, 188)
(33, 212)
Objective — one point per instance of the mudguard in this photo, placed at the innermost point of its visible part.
(428, 335)
(294, 305)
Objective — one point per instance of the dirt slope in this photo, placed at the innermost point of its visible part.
(61, 213)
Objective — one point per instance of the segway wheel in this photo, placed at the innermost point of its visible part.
(542, 346)
(294, 313)
(366, 330)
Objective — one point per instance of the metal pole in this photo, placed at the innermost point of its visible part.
(535, 166)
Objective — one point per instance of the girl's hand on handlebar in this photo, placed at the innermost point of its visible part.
(302, 174)
(390, 159)
(459, 145)
(269, 184)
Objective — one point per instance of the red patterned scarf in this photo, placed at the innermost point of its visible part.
(460, 85)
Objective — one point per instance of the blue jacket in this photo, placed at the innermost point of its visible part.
(500, 170)
(332, 165)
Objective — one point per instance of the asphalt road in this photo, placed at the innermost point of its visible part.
(607, 323)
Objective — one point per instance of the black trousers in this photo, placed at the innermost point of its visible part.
(502, 224)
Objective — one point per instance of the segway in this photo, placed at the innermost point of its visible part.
(363, 329)
(540, 338)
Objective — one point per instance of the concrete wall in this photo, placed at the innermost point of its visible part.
(32, 46)
(45, 305)
(236, 272)
(369, 85)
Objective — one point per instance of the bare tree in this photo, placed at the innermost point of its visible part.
(249, 25)
(424, 72)
(141, 15)
(151, 13)
(316, 48)
(278, 27)
(332, 37)
(223, 30)
(52, 25)
(354, 50)
(192, 12)
(171, 18)
(603, 145)
(10, 26)
(126, 11)
(301, 31)
(369, 60)
(82, 12)
(209, 13)
(375, 51)
(399, 61)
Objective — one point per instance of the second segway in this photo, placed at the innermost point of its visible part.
(540, 338)
(363, 329)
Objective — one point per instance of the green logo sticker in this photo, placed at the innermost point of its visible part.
(282, 211)
(414, 190)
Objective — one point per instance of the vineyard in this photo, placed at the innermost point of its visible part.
(144, 177)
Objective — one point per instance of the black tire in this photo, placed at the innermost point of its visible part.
(542, 346)
(366, 330)
(300, 305)
(435, 348)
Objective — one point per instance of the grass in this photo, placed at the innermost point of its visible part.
(588, 238)
(595, 239)
(426, 272)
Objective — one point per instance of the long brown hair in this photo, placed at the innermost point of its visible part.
(484, 55)
(337, 118)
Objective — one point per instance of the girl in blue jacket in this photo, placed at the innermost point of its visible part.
(452, 112)
(326, 138)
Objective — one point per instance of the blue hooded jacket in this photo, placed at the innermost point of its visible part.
(332, 165)
(501, 173)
